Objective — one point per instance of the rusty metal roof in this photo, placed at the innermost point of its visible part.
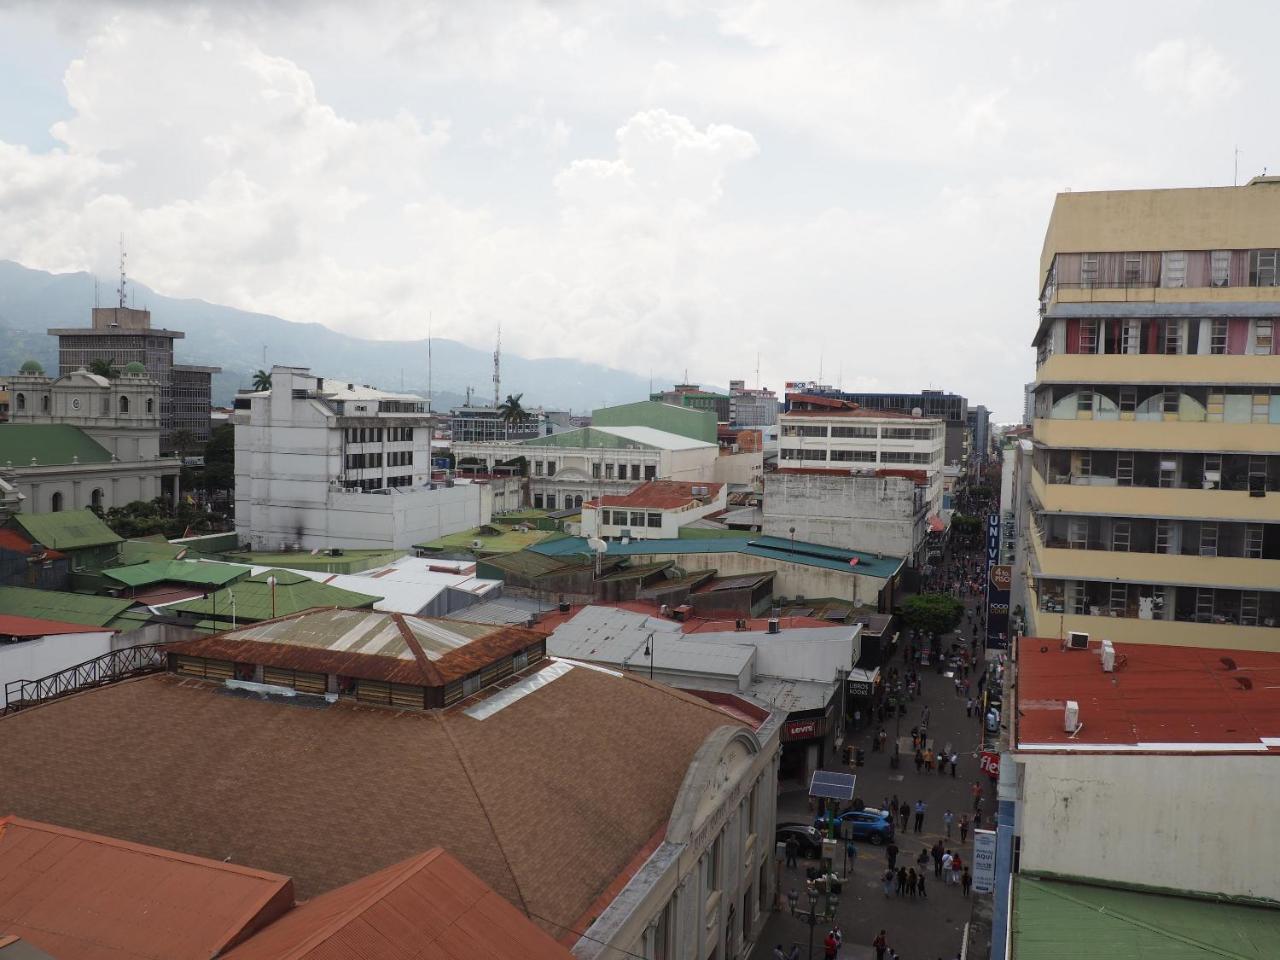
(366, 644)
(427, 906)
(80, 896)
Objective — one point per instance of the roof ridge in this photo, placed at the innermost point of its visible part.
(430, 672)
(439, 716)
(397, 874)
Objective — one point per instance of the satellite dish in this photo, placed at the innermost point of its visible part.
(597, 545)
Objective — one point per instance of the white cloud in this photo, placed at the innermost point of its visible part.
(1186, 73)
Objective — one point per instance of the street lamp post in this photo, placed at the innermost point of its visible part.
(650, 648)
(812, 916)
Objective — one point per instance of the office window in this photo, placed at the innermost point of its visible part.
(1084, 401)
(1132, 267)
(650, 472)
(1262, 333)
(635, 471)
(864, 433)
(537, 468)
(637, 519)
(1218, 337)
(608, 471)
(1128, 399)
(1088, 269)
(1220, 268)
(1088, 336)
(595, 471)
(1262, 268)
(653, 520)
(1174, 269)
(1170, 401)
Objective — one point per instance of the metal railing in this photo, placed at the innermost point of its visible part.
(108, 668)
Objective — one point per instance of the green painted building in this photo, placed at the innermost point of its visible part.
(686, 421)
(80, 534)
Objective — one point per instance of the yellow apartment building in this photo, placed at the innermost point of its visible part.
(1155, 488)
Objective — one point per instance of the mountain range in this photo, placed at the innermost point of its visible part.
(32, 301)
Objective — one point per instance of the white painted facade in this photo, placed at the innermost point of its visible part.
(649, 523)
(1203, 823)
(887, 515)
(324, 464)
(855, 442)
(41, 656)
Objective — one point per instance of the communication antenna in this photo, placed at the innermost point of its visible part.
(122, 290)
(1235, 175)
(497, 368)
(757, 369)
(429, 359)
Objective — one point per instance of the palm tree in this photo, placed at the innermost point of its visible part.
(104, 368)
(261, 381)
(511, 411)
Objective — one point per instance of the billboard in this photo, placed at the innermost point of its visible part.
(999, 581)
(984, 861)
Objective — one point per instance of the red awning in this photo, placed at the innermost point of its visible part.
(935, 524)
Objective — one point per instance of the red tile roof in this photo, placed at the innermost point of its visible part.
(428, 906)
(1160, 697)
(79, 896)
(13, 625)
(661, 495)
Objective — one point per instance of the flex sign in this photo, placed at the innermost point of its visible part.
(990, 764)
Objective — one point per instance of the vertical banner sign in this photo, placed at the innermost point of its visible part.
(984, 861)
(997, 626)
(998, 584)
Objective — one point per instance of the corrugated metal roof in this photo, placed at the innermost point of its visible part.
(85, 897)
(48, 443)
(617, 637)
(1054, 920)
(256, 600)
(367, 644)
(19, 626)
(515, 611)
(178, 571)
(67, 529)
(60, 605)
(427, 906)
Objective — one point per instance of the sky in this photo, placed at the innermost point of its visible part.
(855, 191)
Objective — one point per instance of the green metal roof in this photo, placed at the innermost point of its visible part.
(67, 529)
(774, 548)
(57, 605)
(48, 444)
(1055, 920)
(177, 571)
(293, 593)
(130, 620)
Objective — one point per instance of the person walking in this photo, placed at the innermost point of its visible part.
(947, 819)
(912, 882)
(937, 859)
(964, 828)
(850, 857)
(928, 760)
(947, 860)
(904, 811)
(920, 886)
(920, 808)
(793, 849)
(957, 866)
(966, 881)
(976, 792)
(919, 760)
(955, 757)
(881, 945)
(886, 882)
(891, 855)
(902, 880)
(830, 946)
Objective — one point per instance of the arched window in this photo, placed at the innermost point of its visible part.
(124, 404)
(95, 498)
(44, 403)
(21, 401)
(151, 404)
(55, 502)
(106, 405)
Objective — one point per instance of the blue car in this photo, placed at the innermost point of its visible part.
(870, 824)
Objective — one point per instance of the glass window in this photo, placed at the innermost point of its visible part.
(1220, 267)
(1262, 268)
(1218, 337)
(654, 520)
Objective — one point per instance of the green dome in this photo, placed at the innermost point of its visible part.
(31, 366)
(134, 369)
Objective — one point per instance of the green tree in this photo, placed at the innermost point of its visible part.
(104, 368)
(261, 381)
(511, 411)
(220, 458)
(932, 613)
(964, 526)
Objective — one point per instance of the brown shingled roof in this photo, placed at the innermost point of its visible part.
(661, 495)
(546, 800)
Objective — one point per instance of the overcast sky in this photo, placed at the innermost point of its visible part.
(856, 189)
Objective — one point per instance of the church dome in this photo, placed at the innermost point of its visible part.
(31, 366)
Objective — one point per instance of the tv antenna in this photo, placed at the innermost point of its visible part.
(122, 290)
(497, 368)
(429, 315)
(1235, 176)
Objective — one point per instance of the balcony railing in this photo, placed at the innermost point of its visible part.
(108, 668)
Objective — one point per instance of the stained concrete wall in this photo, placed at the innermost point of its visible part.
(872, 514)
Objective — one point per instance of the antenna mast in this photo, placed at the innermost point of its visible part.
(428, 359)
(121, 290)
(497, 368)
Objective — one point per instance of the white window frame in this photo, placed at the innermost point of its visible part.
(1220, 268)
(1173, 269)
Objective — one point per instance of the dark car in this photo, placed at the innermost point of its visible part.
(869, 824)
(809, 839)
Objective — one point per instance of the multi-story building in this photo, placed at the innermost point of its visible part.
(1157, 418)
(951, 408)
(321, 464)
(83, 440)
(1028, 403)
(979, 422)
(692, 395)
(473, 424)
(123, 335)
(652, 511)
(566, 469)
(752, 406)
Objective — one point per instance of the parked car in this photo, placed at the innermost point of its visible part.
(809, 839)
(870, 824)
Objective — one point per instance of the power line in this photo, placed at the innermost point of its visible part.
(579, 933)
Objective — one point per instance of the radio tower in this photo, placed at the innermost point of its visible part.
(497, 369)
(121, 290)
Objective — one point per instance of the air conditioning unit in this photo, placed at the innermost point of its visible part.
(773, 625)
(1071, 717)
(1077, 640)
(1108, 657)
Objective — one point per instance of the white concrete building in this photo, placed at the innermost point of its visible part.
(1159, 772)
(83, 440)
(566, 469)
(321, 463)
(654, 510)
(821, 433)
(31, 648)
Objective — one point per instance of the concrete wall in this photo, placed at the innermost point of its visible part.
(33, 659)
(120, 483)
(746, 469)
(1198, 823)
(874, 514)
(696, 465)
